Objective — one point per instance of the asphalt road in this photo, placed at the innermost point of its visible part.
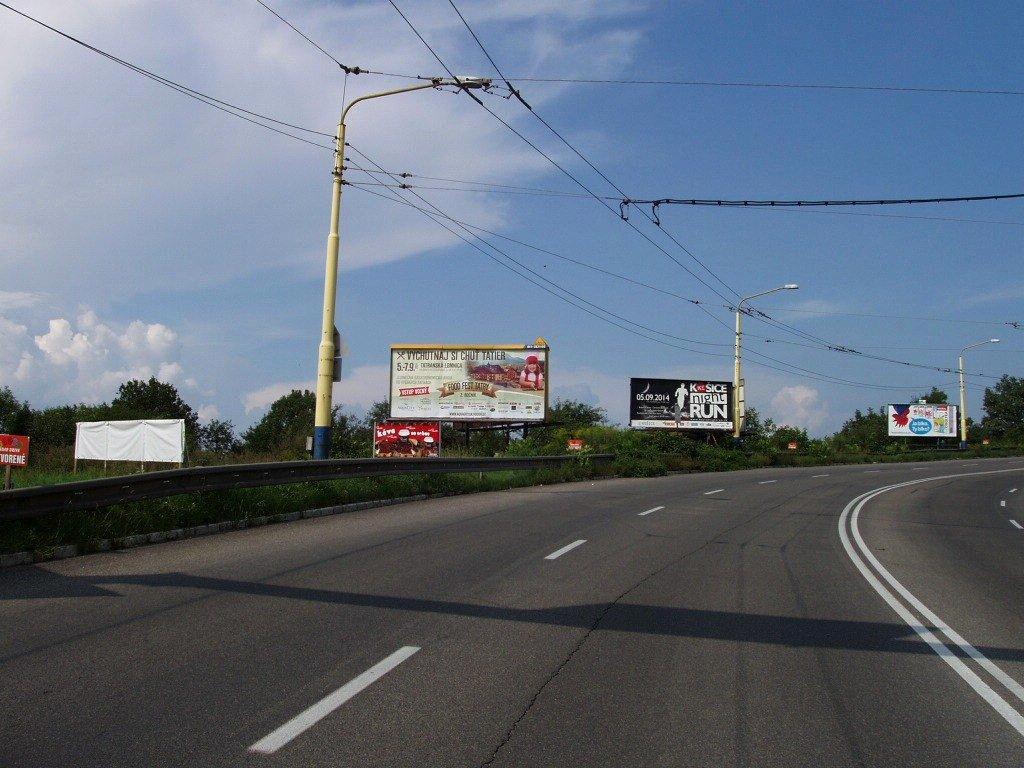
(760, 618)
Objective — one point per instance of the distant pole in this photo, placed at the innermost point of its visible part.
(963, 405)
(739, 409)
(7, 477)
(963, 390)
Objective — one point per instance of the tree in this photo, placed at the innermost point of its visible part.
(153, 399)
(864, 432)
(287, 424)
(1004, 408)
(15, 416)
(935, 397)
(219, 437)
(289, 421)
(573, 413)
(378, 412)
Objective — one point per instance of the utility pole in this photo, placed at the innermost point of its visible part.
(325, 373)
(739, 405)
(963, 391)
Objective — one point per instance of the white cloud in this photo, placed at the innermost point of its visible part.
(85, 359)
(207, 413)
(19, 300)
(139, 236)
(799, 406)
(1007, 293)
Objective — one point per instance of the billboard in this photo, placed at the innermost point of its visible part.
(14, 450)
(469, 383)
(407, 440)
(921, 420)
(135, 440)
(680, 404)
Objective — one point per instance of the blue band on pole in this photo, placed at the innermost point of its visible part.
(321, 442)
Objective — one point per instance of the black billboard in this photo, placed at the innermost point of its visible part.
(680, 404)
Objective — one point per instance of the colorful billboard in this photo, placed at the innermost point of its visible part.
(680, 404)
(407, 440)
(469, 383)
(921, 420)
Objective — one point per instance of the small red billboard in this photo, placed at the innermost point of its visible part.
(407, 440)
(576, 444)
(793, 445)
(14, 450)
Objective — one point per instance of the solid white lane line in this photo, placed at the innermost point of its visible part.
(310, 717)
(1008, 713)
(710, 493)
(566, 548)
(766, 482)
(825, 475)
(648, 511)
(1015, 524)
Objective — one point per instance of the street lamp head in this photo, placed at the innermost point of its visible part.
(471, 81)
(993, 341)
(791, 286)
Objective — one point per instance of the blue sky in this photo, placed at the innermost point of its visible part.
(141, 232)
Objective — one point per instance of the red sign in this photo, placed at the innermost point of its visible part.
(984, 441)
(407, 439)
(576, 445)
(14, 450)
(794, 445)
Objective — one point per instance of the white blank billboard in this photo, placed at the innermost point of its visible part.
(160, 440)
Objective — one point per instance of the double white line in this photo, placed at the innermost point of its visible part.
(876, 574)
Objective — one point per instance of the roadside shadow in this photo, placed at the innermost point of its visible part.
(731, 626)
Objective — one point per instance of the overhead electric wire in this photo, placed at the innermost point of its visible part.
(224, 106)
(553, 162)
(721, 203)
(1012, 323)
(548, 252)
(800, 86)
(790, 368)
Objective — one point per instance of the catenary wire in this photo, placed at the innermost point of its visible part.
(552, 161)
(796, 86)
(224, 106)
(810, 374)
(815, 374)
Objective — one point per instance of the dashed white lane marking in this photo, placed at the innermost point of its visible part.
(566, 548)
(649, 511)
(310, 717)
(1017, 525)
(1013, 490)
(1002, 503)
(871, 471)
(997, 702)
(710, 493)
(767, 482)
(825, 475)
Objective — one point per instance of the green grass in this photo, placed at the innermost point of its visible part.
(187, 510)
(86, 529)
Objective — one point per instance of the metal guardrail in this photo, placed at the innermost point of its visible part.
(24, 503)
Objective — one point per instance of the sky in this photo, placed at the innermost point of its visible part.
(143, 233)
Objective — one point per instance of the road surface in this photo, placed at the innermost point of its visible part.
(782, 617)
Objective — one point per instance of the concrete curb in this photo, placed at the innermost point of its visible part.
(142, 539)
